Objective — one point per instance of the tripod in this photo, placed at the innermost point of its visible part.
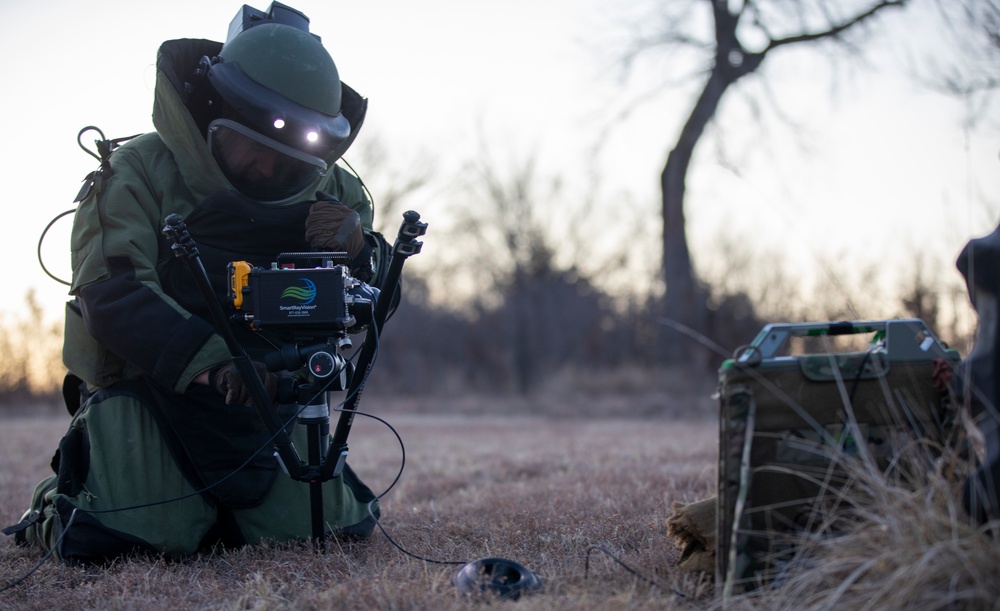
(326, 456)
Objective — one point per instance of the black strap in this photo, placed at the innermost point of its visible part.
(32, 518)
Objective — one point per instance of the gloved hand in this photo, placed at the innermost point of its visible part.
(226, 380)
(332, 226)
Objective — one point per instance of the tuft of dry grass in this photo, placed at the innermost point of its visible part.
(895, 541)
(891, 537)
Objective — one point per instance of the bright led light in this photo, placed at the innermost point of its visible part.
(312, 136)
(279, 123)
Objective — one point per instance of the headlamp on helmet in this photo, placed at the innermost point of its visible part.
(274, 115)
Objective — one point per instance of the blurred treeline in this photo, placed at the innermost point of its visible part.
(544, 323)
(525, 285)
(553, 326)
(31, 369)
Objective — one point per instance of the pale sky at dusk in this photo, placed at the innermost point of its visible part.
(880, 166)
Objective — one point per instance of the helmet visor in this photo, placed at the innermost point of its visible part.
(273, 115)
(260, 168)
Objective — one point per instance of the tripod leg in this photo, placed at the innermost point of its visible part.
(318, 431)
(316, 506)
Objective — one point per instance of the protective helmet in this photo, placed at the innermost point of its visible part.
(281, 123)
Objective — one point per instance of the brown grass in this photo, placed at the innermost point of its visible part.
(484, 477)
(536, 489)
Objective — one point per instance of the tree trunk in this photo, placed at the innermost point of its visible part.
(686, 298)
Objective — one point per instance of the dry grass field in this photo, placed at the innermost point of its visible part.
(483, 479)
(576, 490)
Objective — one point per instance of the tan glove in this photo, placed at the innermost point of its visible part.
(226, 381)
(332, 226)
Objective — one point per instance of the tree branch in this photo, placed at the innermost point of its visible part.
(835, 30)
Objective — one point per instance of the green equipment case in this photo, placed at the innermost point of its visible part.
(792, 422)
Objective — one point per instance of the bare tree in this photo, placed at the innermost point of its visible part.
(30, 349)
(743, 34)
(534, 312)
(971, 67)
(393, 182)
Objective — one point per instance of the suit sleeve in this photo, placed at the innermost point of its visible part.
(115, 249)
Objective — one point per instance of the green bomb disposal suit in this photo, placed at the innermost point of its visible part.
(138, 333)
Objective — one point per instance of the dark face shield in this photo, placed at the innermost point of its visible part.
(272, 115)
(259, 167)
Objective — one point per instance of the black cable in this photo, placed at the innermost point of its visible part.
(48, 554)
(861, 369)
(399, 474)
(104, 148)
(628, 568)
(41, 238)
(371, 198)
(403, 549)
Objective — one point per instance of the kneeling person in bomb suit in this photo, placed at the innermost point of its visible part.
(165, 452)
